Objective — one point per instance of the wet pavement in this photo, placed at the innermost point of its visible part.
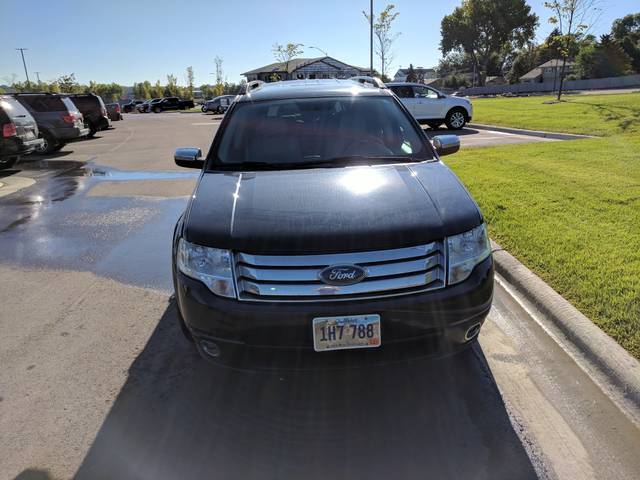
(98, 382)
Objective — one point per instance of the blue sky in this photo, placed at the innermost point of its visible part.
(135, 40)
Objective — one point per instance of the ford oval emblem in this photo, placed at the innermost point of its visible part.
(342, 274)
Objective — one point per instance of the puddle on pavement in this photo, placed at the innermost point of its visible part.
(52, 224)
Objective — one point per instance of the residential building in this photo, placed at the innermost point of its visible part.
(421, 73)
(305, 68)
(548, 72)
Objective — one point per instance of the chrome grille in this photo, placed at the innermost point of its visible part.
(295, 277)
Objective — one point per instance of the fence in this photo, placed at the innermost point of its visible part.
(591, 84)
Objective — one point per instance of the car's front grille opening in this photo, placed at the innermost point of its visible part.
(296, 277)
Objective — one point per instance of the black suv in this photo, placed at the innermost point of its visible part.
(324, 221)
(59, 120)
(93, 110)
(18, 132)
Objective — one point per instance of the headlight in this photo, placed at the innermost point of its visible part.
(212, 266)
(466, 250)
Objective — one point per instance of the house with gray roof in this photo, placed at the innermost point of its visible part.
(305, 68)
(547, 72)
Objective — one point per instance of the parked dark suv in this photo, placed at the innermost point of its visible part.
(18, 132)
(93, 110)
(323, 221)
(59, 120)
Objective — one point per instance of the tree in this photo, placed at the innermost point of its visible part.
(68, 84)
(157, 91)
(190, 79)
(219, 87)
(486, 29)
(626, 32)
(571, 19)
(384, 38)
(525, 61)
(411, 74)
(284, 54)
(171, 89)
(605, 59)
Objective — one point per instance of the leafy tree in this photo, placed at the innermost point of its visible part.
(455, 80)
(525, 61)
(219, 87)
(605, 59)
(190, 79)
(142, 90)
(68, 84)
(486, 29)
(171, 89)
(411, 74)
(384, 37)
(206, 91)
(284, 54)
(571, 19)
(626, 32)
(157, 91)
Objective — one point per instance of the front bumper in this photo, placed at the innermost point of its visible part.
(417, 324)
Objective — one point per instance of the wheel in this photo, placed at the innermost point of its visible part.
(204, 109)
(49, 143)
(455, 119)
(6, 163)
(434, 125)
(92, 130)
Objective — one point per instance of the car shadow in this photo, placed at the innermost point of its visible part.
(445, 131)
(178, 416)
(34, 474)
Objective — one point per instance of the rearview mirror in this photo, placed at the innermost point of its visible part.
(446, 144)
(189, 157)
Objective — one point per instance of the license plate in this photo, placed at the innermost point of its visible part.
(339, 333)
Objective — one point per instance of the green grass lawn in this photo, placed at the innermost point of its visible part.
(587, 114)
(568, 210)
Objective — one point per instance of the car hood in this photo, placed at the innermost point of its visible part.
(329, 209)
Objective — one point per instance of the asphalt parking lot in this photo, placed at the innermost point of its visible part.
(98, 382)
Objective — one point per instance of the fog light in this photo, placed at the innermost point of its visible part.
(210, 348)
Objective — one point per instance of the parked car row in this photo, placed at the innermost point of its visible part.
(46, 122)
(158, 105)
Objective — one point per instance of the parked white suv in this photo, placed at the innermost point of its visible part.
(433, 107)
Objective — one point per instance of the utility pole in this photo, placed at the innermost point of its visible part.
(371, 38)
(24, 63)
(38, 75)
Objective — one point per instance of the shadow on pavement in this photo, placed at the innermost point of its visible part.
(178, 416)
(34, 474)
(444, 131)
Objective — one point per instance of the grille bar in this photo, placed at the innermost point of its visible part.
(295, 277)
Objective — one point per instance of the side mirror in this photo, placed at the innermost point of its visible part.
(446, 144)
(189, 157)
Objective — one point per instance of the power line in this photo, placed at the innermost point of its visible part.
(24, 63)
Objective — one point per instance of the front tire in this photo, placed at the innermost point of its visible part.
(92, 130)
(456, 119)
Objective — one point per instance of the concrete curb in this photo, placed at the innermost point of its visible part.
(531, 133)
(610, 366)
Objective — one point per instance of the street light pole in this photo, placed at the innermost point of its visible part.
(320, 50)
(24, 64)
(371, 38)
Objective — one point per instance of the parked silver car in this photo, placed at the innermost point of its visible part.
(219, 104)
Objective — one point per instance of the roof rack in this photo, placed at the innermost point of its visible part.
(252, 85)
(375, 81)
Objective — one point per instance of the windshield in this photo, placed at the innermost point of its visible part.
(300, 132)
